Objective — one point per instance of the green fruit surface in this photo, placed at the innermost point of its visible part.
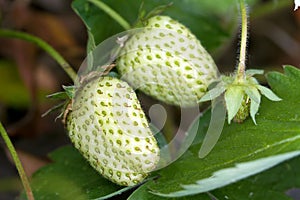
(108, 126)
(166, 61)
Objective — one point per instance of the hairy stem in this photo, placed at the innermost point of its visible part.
(113, 14)
(42, 44)
(243, 48)
(17, 162)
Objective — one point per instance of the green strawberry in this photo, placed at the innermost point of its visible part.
(166, 61)
(108, 126)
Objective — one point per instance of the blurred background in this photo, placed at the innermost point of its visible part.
(28, 74)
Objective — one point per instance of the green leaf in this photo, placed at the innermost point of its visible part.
(274, 139)
(228, 175)
(70, 177)
(205, 18)
(113, 194)
(280, 82)
(142, 193)
(99, 25)
(271, 184)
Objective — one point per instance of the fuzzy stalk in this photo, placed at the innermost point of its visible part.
(17, 162)
(241, 69)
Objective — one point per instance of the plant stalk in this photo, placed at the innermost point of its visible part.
(44, 45)
(17, 162)
(243, 48)
(113, 14)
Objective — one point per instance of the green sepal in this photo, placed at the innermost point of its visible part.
(252, 72)
(253, 93)
(158, 10)
(255, 97)
(268, 93)
(213, 93)
(143, 15)
(241, 97)
(254, 106)
(58, 95)
(233, 98)
(65, 95)
(54, 108)
(70, 91)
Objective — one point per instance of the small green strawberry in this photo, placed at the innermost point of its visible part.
(108, 126)
(166, 61)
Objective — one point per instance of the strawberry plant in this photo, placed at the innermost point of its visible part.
(166, 53)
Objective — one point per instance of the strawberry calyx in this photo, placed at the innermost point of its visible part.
(143, 16)
(65, 97)
(242, 92)
(68, 93)
(242, 96)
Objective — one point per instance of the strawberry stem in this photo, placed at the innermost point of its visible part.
(113, 14)
(44, 45)
(17, 162)
(243, 48)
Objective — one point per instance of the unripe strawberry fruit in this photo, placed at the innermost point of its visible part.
(108, 126)
(166, 61)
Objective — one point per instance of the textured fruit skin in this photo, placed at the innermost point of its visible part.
(109, 128)
(166, 61)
